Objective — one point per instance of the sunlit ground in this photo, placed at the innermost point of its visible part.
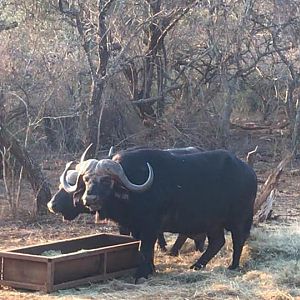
(270, 269)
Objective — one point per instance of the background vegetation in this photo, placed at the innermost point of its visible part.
(146, 72)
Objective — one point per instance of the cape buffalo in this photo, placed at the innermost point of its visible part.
(63, 202)
(152, 191)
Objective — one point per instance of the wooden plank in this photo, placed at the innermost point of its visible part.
(50, 277)
(1, 267)
(92, 279)
(117, 239)
(81, 267)
(118, 257)
(23, 256)
(18, 270)
(122, 259)
(71, 256)
(23, 285)
(105, 263)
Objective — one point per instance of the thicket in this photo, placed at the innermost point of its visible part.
(152, 72)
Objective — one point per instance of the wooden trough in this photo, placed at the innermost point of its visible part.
(80, 260)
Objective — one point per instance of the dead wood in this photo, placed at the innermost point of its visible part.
(31, 168)
(251, 157)
(7, 25)
(253, 126)
(270, 184)
(295, 172)
(266, 208)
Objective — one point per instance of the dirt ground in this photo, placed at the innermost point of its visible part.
(270, 260)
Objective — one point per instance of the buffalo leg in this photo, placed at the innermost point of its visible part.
(199, 241)
(216, 240)
(178, 244)
(160, 237)
(238, 241)
(146, 266)
(162, 242)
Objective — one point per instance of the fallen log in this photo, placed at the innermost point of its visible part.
(265, 198)
(266, 208)
(253, 126)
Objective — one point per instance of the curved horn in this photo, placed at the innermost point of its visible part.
(82, 158)
(64, 182)
(84, 166)
(87, 166)
(111, 151)
(72, 176)
(109, 166)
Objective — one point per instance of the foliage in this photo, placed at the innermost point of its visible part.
(164, 73)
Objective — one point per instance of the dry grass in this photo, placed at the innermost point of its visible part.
(270, 270)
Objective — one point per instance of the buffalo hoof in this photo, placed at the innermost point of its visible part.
(233, 267)
(163, 249)
(143, 271)
(200, 249)
(173, 253)
(136, 280)
(197, 266)
(199, 246)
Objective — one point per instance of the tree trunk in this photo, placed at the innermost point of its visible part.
(225, 120)
(296, 131)
(227, 109)
(50, 134)
(94, 117)
(31, 169)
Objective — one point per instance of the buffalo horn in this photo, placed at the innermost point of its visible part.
(82, 158)
(111, 151)
(63, 179)
(71, 176)
(87, 166)
(108, 166)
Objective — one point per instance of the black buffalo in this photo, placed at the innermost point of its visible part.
(152, 191)
(63, 202)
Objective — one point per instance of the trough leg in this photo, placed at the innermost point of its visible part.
(216, 240)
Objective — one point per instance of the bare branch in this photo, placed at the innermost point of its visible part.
(7, 26)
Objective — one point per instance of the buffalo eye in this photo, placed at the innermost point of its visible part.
(106, 181)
